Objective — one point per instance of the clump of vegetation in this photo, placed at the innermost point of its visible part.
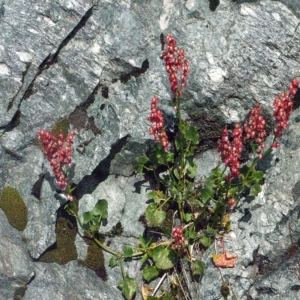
(185, 214)
(14, 208)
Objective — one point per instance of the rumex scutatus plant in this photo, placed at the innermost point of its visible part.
(200, 212)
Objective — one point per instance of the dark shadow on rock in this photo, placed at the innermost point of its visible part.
(90, 182)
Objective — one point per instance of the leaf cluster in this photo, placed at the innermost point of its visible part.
(92, 219)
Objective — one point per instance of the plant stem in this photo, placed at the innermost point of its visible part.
(122, 268)
(107, 249)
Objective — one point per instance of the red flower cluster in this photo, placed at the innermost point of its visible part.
(231, 151)
(255, 128)
(177, 66)
(157, 129)
(178, 237)
(282, 109)
(59, 153)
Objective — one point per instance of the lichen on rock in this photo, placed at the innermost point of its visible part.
(14, 208)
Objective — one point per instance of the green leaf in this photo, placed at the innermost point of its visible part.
(159, 298)
(157, 196)
(128, 251)
(232, 192)
(196, 202)
(128, 287)
(179, 143)
(176, 173)
(191, 134)
(87, 217)
(198, 267)
(190, 167)
(205, 240)
(190, 233)
(100, 208)
(173, 189)
(206, 194)
(154, 215)
(255, 189)
(216, 172)
(112, 262)
(169, 157)
(258, 175)
(144, 258)
(164, 258)
(143, 242)
(254, 147)
(94, 227)
(188, 217)
(211, 231)
(150, 273)
(209, 189)
(142, 160)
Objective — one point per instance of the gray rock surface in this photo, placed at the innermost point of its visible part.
(98, 64)
(16, 268)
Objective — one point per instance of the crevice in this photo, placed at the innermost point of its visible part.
(90, 182)
(104, 92)
(52, 58)
(135, 71)
(47, 62)
(162, 42)
(14, 122)
(79, 116)
(37, 187)
(10, 104)
(213, 4)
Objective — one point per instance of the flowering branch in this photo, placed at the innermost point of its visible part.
(59, 153)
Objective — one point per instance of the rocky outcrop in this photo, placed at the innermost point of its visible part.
(94, 66)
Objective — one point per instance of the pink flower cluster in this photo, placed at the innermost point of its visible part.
(254, 128)
(157, 129)
(177, 66)
(283, 105)
(177, 233)
(230, 151)
(59, 153)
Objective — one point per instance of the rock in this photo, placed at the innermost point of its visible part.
(94, 66)
(16, 267)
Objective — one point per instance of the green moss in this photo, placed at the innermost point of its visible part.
(64, 250)
(61, 127)
(94, 259)
(14, 208)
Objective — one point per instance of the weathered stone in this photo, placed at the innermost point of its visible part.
(96, 65)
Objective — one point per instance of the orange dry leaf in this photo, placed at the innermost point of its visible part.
(224, 260)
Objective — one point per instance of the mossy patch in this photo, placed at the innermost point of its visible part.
(94, 259)
(14, 208)
(64, 250)
(61, 127)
